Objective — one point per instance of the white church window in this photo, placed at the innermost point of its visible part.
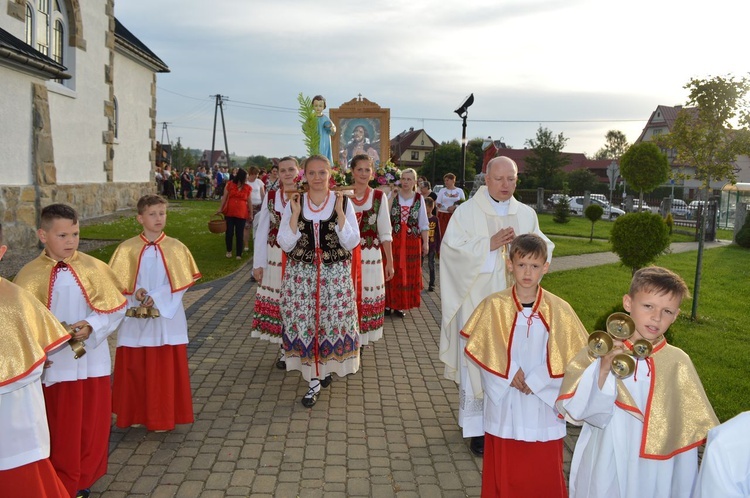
(46, 28)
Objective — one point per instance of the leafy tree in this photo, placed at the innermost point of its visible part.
(181, 157)
(638, 238)
(704, 137)
(544, 165)
(260, 162)
(475, 147)
(582, 180)
(447, 159)
(593, 213)
(615, 145)
(562, 211)
(644, 166)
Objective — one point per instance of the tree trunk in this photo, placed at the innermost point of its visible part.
(699, 262)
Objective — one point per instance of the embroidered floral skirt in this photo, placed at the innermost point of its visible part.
(335, 347)
(267, 312)
(373, 295)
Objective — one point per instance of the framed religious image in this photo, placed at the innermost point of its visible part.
(363, 127)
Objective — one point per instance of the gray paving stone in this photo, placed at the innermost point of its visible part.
(388, 430)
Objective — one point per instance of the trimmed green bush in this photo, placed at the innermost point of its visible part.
(743, 236)
(593, 213)
(639, 238)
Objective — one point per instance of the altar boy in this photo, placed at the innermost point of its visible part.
(152, 382)
(83, 292)
(30, 331)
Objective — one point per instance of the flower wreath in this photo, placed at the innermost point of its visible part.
(386, 174)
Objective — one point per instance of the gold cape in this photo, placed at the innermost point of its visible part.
(490, 331)
(29, 332)
(178, 262)
(101, 288)
(678, 414)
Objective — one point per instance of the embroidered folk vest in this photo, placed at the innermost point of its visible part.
(331, 250)
(412, 222)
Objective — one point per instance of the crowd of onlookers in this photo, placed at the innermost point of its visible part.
(202, 183)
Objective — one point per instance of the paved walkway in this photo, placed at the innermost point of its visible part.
(389, 430)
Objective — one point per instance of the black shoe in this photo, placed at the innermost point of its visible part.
(327, 381)
(431, 289)
(281, 362)
(83, 493)
(477, 445)
(311, 397)
(399, 313)
(387, 312)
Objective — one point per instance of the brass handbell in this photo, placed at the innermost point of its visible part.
(78, 347)
(131, 312)
(141, 312)
(619, 326)
(153, 312)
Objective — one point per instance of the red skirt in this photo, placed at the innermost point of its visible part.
(522, 469)
(37, 479)
(79, 418)
(152, 387)
(443, 219)
(402, 292)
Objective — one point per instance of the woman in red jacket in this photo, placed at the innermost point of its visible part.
(237, 209)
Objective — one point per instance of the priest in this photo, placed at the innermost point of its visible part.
(472, 266)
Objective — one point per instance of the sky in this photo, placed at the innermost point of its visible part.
(577, 67)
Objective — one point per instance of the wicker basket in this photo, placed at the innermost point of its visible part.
(217, 224)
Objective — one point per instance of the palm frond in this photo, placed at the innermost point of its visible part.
(309, 122)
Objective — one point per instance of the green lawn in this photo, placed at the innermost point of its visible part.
(718, 342)
(186, 221)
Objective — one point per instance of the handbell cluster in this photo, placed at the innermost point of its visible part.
(142, 312)
(621, 327)
(78, 347)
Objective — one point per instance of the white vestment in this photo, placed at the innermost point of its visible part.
(725, 468)
(606, 461)
(469, 272)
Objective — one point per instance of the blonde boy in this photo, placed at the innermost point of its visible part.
(640, 434)
(152, 382)
(83, 292)
(522, 338)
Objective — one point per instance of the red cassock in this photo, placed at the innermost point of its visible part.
(152, 387)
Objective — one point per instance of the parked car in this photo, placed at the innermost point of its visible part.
(576, 207)
(679, 208)
(637, 206)
(555, 198)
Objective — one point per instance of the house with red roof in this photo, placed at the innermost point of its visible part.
(409, 148)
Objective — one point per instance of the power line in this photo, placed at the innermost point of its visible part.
(274, 108)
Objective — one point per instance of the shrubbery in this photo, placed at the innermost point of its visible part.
(743, 236)
(639, 238)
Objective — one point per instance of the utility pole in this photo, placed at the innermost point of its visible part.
(219, 108)
(165, 130)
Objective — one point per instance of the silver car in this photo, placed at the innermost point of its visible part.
(576, 207)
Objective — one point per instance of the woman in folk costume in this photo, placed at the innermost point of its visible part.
(371, 208)
(410, 243)
(318, 231)
(269, 260)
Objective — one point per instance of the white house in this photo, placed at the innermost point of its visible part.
(79, 112)
(661, 122)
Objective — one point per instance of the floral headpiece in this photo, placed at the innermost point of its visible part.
(386, 174)
(337, 179)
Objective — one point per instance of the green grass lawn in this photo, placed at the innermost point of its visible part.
(186, 221)
(718, 342)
